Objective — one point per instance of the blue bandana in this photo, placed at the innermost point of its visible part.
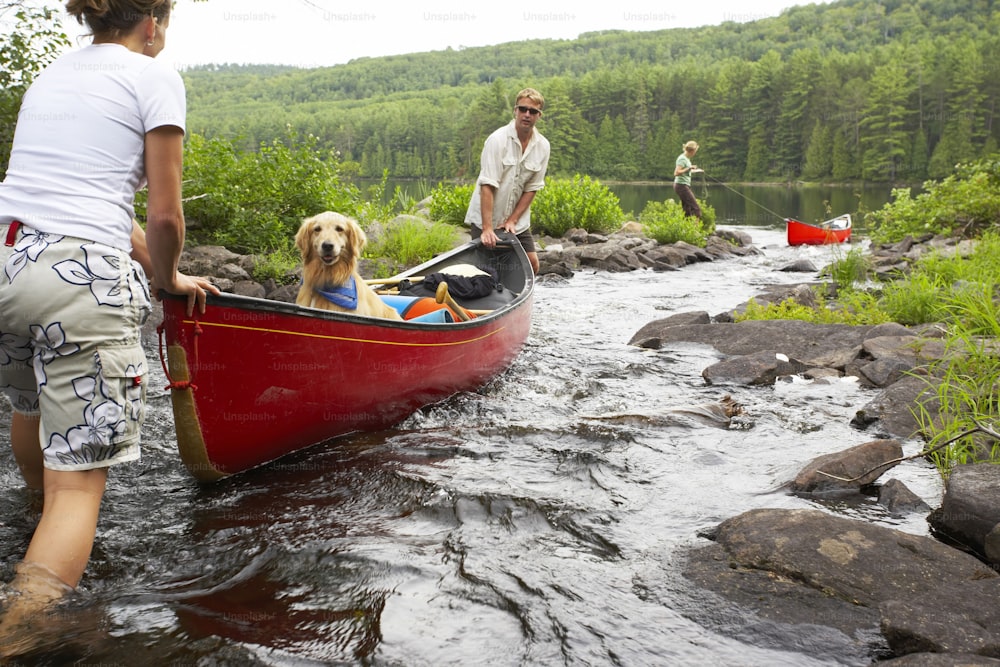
(345, 296)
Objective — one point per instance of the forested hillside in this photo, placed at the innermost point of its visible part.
(858, 89)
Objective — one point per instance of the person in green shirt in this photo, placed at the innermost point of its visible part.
(682, 180)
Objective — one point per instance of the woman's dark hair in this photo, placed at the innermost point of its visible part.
(116, 17)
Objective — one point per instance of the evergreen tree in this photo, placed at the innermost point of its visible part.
(819, 154)
(885, 141)
(761, 113)
(792, 132)
(919, 156)
(563, 125)
(845, 165)
(491, 109)
(757, 158)
(721, 130)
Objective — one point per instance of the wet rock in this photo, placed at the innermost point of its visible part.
(735, 237)
(855, 561)
(249, 288)
(970, 510)
(850, 469)
(716, 415)
(940, 660)
(666, 258)
(951, 617)
(896, 497)
(759, 368)
(803, 294)
(823, 374)
(883, 372)
(206, 260)
(895, 355)
(812, 567)
(693, 252)
(799, 266)
(890, 413)
(759, 606)
(609, 257)
(556, 263)
(720, 248)
(811, 344)
(285, 293)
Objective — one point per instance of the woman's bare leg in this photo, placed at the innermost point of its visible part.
(64, 537)
(27, 449)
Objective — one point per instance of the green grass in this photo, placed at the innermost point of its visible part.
(411, 242)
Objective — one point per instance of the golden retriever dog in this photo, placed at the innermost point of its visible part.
(331, 244)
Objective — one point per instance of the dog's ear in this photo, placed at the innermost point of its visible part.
(303, 237)
(358, 237)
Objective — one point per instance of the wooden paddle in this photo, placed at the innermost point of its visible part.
(393, 281)
(442, 296)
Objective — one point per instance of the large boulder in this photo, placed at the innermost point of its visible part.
(850, 469)
(811, 568)
(970, 510)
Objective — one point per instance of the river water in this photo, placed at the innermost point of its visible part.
(539, 521)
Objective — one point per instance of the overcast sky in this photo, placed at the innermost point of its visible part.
(313, 33)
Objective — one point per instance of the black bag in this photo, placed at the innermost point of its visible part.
(463, 287)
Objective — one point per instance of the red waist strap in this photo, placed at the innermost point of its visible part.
(12, 233)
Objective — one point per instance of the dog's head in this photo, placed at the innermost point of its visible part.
(330, 237)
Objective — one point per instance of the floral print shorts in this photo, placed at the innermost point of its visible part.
(70, 312)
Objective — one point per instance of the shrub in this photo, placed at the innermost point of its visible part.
(279, 266)
(450, 202)
(665, 222)
(577, 202)
(965, 203)
(411, 242)
(854, 267)
(254, 202)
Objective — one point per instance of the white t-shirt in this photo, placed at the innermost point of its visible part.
(78, 154)
(512, 172)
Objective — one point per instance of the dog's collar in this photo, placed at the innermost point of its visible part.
(345, 296)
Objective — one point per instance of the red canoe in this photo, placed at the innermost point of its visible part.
(254, 379)
(836, 230)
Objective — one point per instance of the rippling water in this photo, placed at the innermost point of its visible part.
(537, 521)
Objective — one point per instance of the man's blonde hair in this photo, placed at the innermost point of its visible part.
(533, 95)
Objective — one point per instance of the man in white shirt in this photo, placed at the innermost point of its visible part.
(512, 170)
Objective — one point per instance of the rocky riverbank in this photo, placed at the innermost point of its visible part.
(808, 577)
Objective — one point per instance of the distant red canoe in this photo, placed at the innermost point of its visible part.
(836, 230)
(254, 379)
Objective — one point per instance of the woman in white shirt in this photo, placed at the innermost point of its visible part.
(97, 125)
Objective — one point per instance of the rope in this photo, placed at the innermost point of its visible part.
(778, 215)
(187, 384)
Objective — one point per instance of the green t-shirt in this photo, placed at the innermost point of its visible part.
(683, 161)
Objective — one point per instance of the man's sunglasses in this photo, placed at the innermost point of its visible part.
(533, 111)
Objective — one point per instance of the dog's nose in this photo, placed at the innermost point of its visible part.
(327, 246)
